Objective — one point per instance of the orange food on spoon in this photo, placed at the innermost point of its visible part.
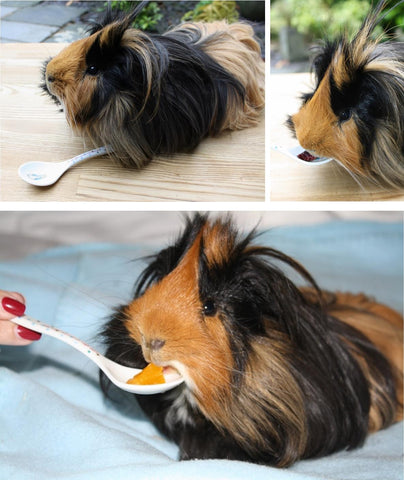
(150, 375)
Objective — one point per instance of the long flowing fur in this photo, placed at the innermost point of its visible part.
(356, 112)
(146, 94)
(273, 373)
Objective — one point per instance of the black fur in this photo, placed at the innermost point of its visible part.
(255, 299)
(364, 96)
(189, 89)
(186, 101)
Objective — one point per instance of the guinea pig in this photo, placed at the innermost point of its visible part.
(273, 373)
(356, 112)
(145, 94)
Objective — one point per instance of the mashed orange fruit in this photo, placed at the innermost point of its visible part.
(150, 375)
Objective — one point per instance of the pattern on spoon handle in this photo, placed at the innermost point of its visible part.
(107, 366)
(71, 340)
(97, 152)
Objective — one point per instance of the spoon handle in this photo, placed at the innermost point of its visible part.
(118, 374)
(74, 342)
(90, 154)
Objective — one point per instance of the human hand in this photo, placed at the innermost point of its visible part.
(12, 304)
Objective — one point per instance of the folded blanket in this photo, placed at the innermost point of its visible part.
(56, 423)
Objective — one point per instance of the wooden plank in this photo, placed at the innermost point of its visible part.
(228, 168)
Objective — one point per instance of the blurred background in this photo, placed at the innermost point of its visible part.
(296, 26)
(68, 20)
(27, 232)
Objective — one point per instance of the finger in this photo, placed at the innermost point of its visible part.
(12, 334)
(12, 305)
(16, 295)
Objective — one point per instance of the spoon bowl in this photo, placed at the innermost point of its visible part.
(297, 150)
(43, 174)
(117, 373)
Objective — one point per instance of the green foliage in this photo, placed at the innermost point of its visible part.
(147, 18)
(328, 18)
(395, 18)
(319, 18)
(211, 10)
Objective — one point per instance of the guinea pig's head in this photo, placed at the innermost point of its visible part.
(355, 113)
(205, 306)
(180, 313)
(105, 79)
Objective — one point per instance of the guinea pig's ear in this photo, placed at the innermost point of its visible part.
(111, 29)
(167, 259)
(264, 280)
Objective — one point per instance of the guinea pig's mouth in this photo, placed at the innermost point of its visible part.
(313, 153)
(171, 367)
(173, 370)
(46, 85)
(309, 154)
(171, 373)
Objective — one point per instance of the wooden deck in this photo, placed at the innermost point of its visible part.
(228, 168)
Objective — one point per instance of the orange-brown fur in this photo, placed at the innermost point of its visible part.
(272, 373)
(383, 326)
(368, 79)
(317, 131)
(232, 46)
(70, 86)
(170, 310)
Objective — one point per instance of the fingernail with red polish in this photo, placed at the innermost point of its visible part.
(13, 306)
(28, 334)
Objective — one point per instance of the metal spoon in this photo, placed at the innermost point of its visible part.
(43, 174)
(118, 374)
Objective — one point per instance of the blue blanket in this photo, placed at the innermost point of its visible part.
(56, 423)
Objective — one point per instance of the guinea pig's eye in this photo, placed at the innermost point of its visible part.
(345, 115)
(209, 308)
(92, 69)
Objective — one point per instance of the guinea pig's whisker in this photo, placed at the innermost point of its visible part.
(89, 295)
(220, 367)
(355, 176)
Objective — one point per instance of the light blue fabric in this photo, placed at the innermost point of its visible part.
(56, 423)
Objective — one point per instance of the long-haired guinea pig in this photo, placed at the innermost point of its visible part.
(147, 94)
(356, 112)
(273, 373)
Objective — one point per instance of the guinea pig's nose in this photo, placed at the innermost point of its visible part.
(156, 344)
(50, 78)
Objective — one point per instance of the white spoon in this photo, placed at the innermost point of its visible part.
(43, 174)
(293, 152)
(118, 374)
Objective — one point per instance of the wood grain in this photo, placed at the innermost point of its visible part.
(228, 168)
(291, 180)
